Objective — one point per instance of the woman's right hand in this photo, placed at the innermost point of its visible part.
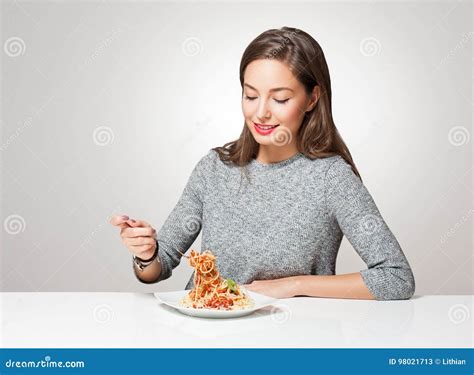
(137, 235)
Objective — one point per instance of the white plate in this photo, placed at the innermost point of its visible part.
(172, 299)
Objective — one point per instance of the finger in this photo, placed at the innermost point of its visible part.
(138, 232)
(141, 249)
(138, 223)
(139, 241)
(119, 219)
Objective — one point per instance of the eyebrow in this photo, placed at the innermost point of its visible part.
(274, 89)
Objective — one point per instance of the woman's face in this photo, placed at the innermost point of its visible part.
(273, 96)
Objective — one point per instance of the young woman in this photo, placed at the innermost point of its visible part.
(274, 204)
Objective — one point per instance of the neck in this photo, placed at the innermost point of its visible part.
(268, 154)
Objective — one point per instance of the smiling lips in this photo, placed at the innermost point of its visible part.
(264, 129)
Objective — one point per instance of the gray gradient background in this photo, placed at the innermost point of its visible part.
(162, 78)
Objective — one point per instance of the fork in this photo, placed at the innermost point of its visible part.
(184, 255)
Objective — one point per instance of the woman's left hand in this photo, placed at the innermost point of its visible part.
(277, 288)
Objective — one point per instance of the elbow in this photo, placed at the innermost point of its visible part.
(401, 284)
(405, 291)
(410, 286)
(387, 284)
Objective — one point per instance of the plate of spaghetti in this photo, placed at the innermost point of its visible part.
(212, 295)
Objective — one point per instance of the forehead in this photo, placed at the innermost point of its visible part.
(266, 74)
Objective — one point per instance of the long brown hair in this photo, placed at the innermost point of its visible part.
(318, 136)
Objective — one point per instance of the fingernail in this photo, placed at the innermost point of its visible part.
(125, 217)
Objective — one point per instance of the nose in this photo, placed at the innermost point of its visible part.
(262, 111)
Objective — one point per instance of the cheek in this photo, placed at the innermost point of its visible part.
(247, 109)
(289, 114)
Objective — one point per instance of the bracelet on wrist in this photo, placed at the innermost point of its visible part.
(142, 263)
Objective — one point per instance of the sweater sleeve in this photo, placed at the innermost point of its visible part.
(184, 223)
(389, 276)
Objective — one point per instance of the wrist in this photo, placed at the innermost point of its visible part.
(150, 258)
(142, 263)
(296, 286)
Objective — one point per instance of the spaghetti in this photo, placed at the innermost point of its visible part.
(211, 291)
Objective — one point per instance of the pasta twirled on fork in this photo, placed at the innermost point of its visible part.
(211, 290)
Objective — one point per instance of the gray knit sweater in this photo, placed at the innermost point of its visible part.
(287, 219)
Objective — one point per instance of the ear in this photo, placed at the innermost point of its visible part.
(314, 98)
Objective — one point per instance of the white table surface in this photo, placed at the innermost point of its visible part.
(138, 320)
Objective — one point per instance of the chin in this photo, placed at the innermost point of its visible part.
(263, 140)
